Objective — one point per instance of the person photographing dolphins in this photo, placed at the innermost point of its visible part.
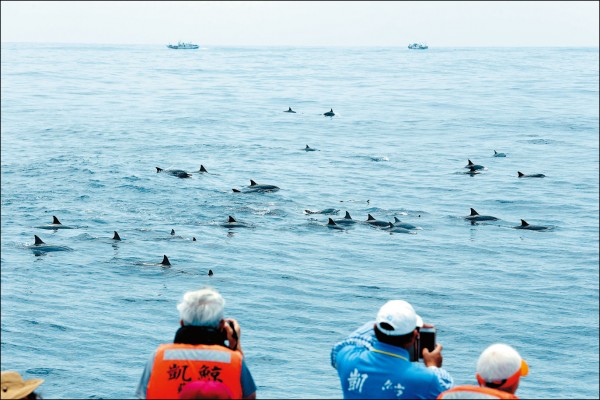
(206, 347)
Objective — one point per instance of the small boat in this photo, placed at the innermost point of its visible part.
(418, 46)
(183, 45)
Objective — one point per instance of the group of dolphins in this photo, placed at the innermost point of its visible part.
(475, 168)
(397, 226)
(475, 217)
(329, 113)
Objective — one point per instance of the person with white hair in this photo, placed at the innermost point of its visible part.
(374, 362)
(499, 370)
(206, 347)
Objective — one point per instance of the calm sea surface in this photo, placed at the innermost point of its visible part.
(83, 128)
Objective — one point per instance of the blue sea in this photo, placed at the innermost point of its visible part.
(83, 128)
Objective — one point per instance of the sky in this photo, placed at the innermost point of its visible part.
(300, 23)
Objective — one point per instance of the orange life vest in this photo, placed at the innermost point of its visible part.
(475, 392)
(176, 365)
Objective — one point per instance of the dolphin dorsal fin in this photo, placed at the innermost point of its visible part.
(158, 169)
(55, 220)
(524, 223)
(116, 236)
(470, 162)
(331, 222)
(38, 240)
(236, 190)
(396, 220)
(193, 239)
(165, 260)
(473, 212)
(520, 174)
(307, 147)
(347, 216)
(252, 183)
(172, 232)
(391, 225)
(331, 110)
(495, 152)
(202, 169)
(231, 219)
(370, 217)
(210, 273)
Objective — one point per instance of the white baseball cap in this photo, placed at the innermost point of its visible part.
(397, 317)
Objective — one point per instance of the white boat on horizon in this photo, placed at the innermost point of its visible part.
(183, 45)
(418, 46)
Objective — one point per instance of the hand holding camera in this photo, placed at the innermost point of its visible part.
(231, 328)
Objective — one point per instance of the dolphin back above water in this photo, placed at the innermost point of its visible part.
(522, 175)
(474, 217)
(398, 229)
(496, 154)
(473, 167)
(232, 223)
(329, 113)
(327, 211)
(175, 172)
(374, 222)
(332, 225)
(289, 110)
(308, 148)
(525, 225)
(40, 246)
(347, 220)
(398, 223)
(54, 225)
(255, 187)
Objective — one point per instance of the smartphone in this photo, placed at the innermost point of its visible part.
(427, 340)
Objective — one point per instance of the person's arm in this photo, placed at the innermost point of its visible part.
(140, 392)
(234, 334)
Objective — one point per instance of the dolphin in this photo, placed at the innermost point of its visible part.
(172, 232)
(325, 211)
(116, 236)
(254, 187)
(308, 148)
(347, 220)
(40, 246)
(331, 224)
(472, 166)
(522, 175)
(525, 225)
(232, 223)
(289, 110)
(405, 225)
(202, 169)
(329, 113)
(372, 221)
(392, 228)
(496, 154)
(166, 261)
(472, 171)
(210, 273)
(475, 217)
(175, 172)
(54, 225)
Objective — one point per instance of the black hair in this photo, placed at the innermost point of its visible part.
(398, 341)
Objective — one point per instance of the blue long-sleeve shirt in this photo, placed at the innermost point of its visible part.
(369, 368)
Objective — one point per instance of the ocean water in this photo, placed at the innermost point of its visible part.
(84, 126)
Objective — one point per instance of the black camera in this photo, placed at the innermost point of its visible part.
(426, 341)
